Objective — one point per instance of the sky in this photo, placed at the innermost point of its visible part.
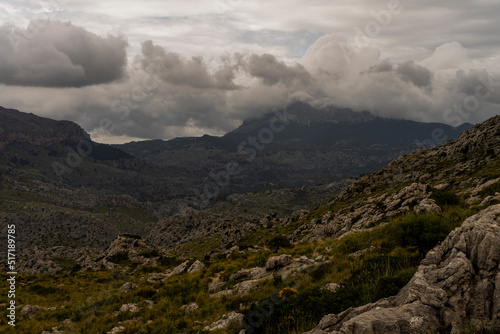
(133, 70)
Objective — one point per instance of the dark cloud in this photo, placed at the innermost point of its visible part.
(271, 71)
(59, 54)
(409, 71)
(168, 95)
(177, 70)
(384, 66)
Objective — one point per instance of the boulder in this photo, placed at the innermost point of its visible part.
(427, 205)
(456, 285)
(280, 261)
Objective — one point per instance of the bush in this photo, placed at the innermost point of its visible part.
(302, 310)
(150, 254)
(146, 293)
(119, 258)
(444, 197)
(43, 290)
(168, 261)
(278, 242)
(490, 190)
(321, 271)
(277, 280)
(391, 285)
(423, 232)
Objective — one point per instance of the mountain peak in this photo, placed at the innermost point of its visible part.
(17, 126)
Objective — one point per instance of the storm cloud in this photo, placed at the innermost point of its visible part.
(59, 54)
(196, 69)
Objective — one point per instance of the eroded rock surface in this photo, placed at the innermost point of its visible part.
(456, 285)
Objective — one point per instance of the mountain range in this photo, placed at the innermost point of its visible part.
(411, 247)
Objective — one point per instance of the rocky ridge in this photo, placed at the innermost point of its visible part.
(465, 165)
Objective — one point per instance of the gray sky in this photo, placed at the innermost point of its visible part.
(128, 70)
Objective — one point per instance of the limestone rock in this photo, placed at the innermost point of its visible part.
(457, 284)
(196, 267)
(332, 287)
(225, 321)
(276, 262)
(427, 205)
(188, 309)
(117, 330)
(28, 311)
(133, 308)
(216, 284)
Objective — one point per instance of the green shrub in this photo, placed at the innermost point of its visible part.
(146, 293)
(301, 311)
(277, 280)
(278, 242)
(168, 261)
(423, 232)
(391, 285)
(150, 254)
(119, 258)
(444, 197)
(321, 271)
(43, 290)
(490, 190)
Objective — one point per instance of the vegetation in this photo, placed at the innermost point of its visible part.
(91, 300)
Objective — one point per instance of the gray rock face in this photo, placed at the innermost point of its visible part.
(457, 284)
(279, 261)
(160, 277)
(189, 225)
(361, 213)
(196, 267)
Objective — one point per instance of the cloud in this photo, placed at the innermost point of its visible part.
(423, 91)
(448, 56)
(59, 54)
(177, 70)
(271, 71)
(166, 94)
(418, 75)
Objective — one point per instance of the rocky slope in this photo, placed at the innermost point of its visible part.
(457, 285)
(465, 166)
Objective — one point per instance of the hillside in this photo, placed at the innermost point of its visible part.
(53, 174)
(297, 146)
(411, 247)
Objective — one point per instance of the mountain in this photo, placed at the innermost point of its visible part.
(299, 145)
(412, 247)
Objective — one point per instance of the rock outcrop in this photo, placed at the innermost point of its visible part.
(190, 225)
(225, 321)
(457, 285)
